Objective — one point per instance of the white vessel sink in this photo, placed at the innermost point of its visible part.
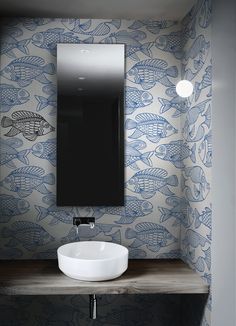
(92, 260)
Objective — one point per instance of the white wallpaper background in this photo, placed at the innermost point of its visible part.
(196, 233)
(168, 222)
(35, 73)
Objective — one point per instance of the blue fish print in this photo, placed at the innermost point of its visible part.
(46, 150)
(180, 210)
(209, 236)
(81, 26)
(132, 41)
(198, 64)
(209, 302)
(11, 29)
(198, 188)
(137, 254)
(189, 22)
(172, 254)
(135, 98)
(193, 133)
(26, 69)
(189, 25)
(172, 43)
(188, 254)
(87, 233)
(11, 96)
(199, 264)
(207, 257)
(198, 48)
(129, 38)
(153, 235)
(171, 91)
(205, 82)
(115, 237)
(148, 182)
(83, 211)
(44, 102)
(59, 214)
(152, 125)
(207, 278)
(180, 105)
(134, 207)
(149, 72)
(33, 23)
(195, 239)
(64, 215)
(9, 43)
(205, 150)
(11, 206)
(29, 235)
(30, 124)
(202, 262)
(190, 131)
(50, 38)
(204, 218)
(76, 25)
(153, 26)
(207, 116)
(133, 154)
(9, 152)
(197, 110)
(24, 180)
(10, 253)
(175, 152)
(205, 14)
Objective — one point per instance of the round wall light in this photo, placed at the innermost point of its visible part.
(184, 88)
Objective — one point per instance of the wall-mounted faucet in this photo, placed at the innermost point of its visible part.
(84, 221)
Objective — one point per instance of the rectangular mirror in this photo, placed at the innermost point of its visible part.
(90, 135)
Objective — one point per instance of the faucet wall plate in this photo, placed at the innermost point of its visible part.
(83, 220)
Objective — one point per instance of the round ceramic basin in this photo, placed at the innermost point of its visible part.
(92, 260)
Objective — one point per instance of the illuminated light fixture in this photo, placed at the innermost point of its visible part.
(81, 78)
(184, 88)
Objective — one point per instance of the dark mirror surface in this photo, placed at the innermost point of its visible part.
(90, 169)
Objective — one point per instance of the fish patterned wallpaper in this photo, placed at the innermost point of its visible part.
(32, 226)
(196, 232)
(167, 142)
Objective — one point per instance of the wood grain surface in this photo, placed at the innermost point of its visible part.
(43, 277)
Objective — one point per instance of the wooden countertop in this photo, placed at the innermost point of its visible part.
(43, 277)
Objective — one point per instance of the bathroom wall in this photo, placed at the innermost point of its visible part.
(196, 232)
(32, 226)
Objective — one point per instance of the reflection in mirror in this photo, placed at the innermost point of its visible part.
(90, 169)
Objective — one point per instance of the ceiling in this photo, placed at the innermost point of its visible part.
(125, 9)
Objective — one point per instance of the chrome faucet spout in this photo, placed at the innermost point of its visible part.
(92, 225)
